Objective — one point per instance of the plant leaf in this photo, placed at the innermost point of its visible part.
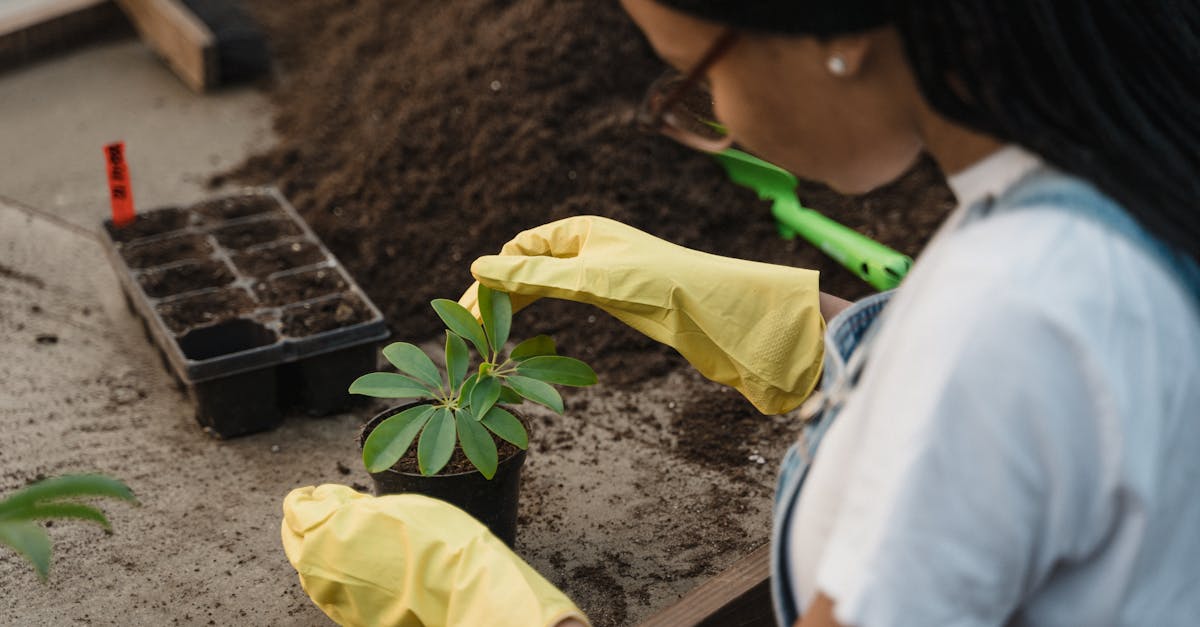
(42, 511)
(468, 385)
(459, 320)
(413, 362)
(63, 487)
(537, 391)
(437, 442)
(507, 427)
(477, 444)
(560, 370)
(534, 346)
(30, 540)
(390, 385)
(485, 394)
(509, 396)
(496, 310)
(458, 359)
(390, 439)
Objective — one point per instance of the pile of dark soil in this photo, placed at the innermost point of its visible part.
(416, 136)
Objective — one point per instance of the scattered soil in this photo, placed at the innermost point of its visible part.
(16, 275)
(238, 207)
(265, 261)
(312, 318)
(149, 223)
(185, 278)
(294, 288)
(157, 253)
(182, 314)
(243, 236)
(723, 430)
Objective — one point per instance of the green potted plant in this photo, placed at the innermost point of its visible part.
(469, 447)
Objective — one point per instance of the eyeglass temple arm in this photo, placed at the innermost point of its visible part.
(719, 48)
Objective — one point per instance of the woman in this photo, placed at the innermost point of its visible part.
(1014, 438)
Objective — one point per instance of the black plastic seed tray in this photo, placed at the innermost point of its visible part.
(250, 311)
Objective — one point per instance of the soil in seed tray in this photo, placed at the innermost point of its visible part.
(312, 318)
(242, 236)
(264, 261)
(149, 223)
(238, 207)
(293, 288)
(185, 278)
(165, 251)
(203, 309)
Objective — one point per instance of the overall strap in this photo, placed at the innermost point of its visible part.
(1049, 189)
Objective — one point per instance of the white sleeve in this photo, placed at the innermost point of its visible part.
(980, 467)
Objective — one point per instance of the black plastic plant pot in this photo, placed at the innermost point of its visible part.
(492, 502)
(250, 311)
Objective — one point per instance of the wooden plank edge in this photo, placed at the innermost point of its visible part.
(54, 26)
(179, 37)
(739, 596)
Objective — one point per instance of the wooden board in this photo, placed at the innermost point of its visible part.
(739, 596)
(179, 37)
(31, 29)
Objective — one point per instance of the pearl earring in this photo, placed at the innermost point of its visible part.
(836, 65)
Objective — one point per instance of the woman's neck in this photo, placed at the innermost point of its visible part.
(955, 147)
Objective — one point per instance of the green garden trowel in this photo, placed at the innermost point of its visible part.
(873, 262)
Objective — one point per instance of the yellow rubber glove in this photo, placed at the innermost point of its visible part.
(409, 560)
(754, 326)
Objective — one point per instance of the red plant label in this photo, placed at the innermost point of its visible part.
(119, 189)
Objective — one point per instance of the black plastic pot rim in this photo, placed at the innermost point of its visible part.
(391, 411)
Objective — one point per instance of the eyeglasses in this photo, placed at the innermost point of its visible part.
(680, 105)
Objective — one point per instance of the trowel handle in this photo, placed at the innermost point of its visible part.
(878, 265)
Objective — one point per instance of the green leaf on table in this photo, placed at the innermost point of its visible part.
(560, 370)
(458, 359)
(484, 395)
(459, 320)
(64, 487)
(495, 308)
(414, 362)
(390, 439)
(507, 427)
(390, 385)
(477, 444)
(537, 391)
(28, 539)
(42, 511)
(534, 346)
(437, 442)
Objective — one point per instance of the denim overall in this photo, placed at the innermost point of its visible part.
(850, 335)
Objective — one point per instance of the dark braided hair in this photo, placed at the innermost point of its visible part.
(1106, 90)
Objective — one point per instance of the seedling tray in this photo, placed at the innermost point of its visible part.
(250, 311)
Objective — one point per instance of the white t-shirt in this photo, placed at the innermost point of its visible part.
(1024, 444)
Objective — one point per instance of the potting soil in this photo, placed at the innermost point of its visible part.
(415, 136)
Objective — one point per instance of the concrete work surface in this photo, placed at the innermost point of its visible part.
(83, 391)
